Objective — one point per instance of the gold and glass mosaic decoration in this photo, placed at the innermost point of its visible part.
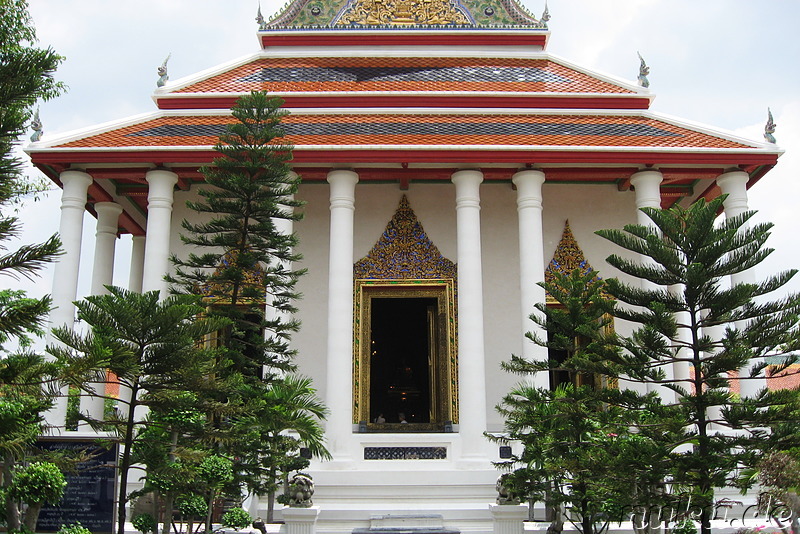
(404, 13)
(404, 263)
(567, 257)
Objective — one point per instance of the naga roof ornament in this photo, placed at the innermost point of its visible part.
(163, 76)
(368, 14)
(262, 22)
(644, 70)
(545, 16)
(769, 128)
(36, 126)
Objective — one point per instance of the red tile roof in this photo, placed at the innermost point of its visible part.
(337, 74)
(465, 130)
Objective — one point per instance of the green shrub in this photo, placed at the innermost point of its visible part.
(216, 470)
(39, 482)
(75, 528)
(686, 526)
(236, 518)
(144, 523)
(192, 505)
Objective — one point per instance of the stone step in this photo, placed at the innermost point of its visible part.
(406, 524)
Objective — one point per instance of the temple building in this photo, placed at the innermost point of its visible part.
(448, 160)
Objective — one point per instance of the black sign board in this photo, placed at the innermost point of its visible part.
(89, 497)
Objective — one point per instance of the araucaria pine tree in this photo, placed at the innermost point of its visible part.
(693, 314)
(583, 453)
(26, 76)
(241, 263)
(151, 346)
(243, 258)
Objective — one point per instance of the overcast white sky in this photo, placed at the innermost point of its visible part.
(717, 62)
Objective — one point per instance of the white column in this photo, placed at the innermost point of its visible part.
(102, 275)
(65, 277)
(65, 280)
(680, 370)
(531, 263)
(734, 184)
(137, 264)
(339, 427)
(159, 218)
(105, 245)
(271, 312)
(647, 185)
(471, 366)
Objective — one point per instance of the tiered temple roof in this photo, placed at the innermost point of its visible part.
(409, 91)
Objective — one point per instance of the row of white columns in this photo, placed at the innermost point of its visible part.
(150, 262)
(149, 257)
(648, 194)
(471, 370)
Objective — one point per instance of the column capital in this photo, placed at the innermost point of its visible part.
(74, 175)
(472, 177)
(528, 176)
(161, 185)
(647, 185)
(342, 188)
(734, 184)
(107, 214)
(75, 187)
(529, 188)
(342, 175)
(733, 181)
(467, 184)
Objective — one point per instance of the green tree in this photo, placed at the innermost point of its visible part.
(244, 257)
(36, 484)
(577, 437)
(286, 418)
(22, 402)
(215, 471)
(26, 76)
(151, 346)
(168, 448)
(243, 266)
(690, 258)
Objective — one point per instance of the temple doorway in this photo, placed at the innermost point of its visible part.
(405, 366)
(402, 360)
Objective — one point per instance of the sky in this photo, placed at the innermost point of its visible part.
(715, 62)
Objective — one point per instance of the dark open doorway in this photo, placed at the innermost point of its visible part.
(405, 360)
(402, 360)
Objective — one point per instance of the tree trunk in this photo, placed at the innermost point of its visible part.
(210, 510)
(122, 497)
(12, 509)
(155, 509)
(270, 506)
(32, 515)
(587, 521)
(169, 498)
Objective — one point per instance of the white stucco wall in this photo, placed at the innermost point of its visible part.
(587, 207)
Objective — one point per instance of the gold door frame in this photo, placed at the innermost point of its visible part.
(444, 393)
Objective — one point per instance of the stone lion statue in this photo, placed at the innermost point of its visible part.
(505, 493)
(301, 489)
